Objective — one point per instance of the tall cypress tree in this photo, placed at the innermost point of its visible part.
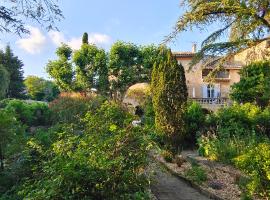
(13, 65)
(85, 38)
(169, 97)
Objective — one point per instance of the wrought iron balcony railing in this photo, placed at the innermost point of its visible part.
(216, 101)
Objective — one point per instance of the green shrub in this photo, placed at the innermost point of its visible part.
(11, 145)
(101, 157)
(196, 174)
(256, 164)
(236, 120)
(70, 109)
(254, 84)
(167, 155)
(263, 122)
(109, 116)
(234, 135)
(149, 124)
(194, 121)
(30, 114)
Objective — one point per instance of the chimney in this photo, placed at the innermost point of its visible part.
(194, 48)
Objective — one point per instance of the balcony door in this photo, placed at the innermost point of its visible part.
(211, 90)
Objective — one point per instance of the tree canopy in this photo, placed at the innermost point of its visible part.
(254, 85)
(61, 70)
(40, 89)
(13, 65)
(4, 81)
(125, 59)
(242, 24)
(91, 64)
(15, 14)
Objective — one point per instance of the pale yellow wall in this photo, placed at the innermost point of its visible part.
(194, 79)
(259, 52)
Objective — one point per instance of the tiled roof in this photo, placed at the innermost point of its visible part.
(183, 54)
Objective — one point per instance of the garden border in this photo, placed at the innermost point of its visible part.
(190, 183)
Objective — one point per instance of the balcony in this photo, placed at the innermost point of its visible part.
(212, 104)
(217, 101)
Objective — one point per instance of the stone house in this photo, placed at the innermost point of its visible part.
(216, 92)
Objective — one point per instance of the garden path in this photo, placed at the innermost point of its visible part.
(166, 186)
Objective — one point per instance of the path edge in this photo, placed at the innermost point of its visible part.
(190, 183)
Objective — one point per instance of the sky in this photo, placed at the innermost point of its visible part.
(141, 22)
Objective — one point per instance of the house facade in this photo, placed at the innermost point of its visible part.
(199, 89)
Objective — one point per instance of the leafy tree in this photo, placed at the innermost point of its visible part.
(7, 124)
(254, 85)
(85, 38)
(14, 14)
(14, 68)
(4, 82)
(125, 62)
(169, 97)
(91, 68)
(149, 55)
(61, 70)
(242, 24)
(41, 89)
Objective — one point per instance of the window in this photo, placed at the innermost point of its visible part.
(220, 74)
(223, 74)
(210, 91)
(205, 72)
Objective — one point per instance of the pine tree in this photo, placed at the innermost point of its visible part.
(14, 68)
(4, 81)
(169, 97)
(85, 38)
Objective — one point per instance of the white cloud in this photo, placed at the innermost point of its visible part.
(57, 37)
(75, 42)
(34, 43)
(97, 38)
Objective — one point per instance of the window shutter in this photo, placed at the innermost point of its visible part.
(204, 91)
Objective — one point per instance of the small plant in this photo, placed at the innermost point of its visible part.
(167, 155)
(196, 174)
(179, 160)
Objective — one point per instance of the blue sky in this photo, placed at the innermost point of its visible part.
(142, 22)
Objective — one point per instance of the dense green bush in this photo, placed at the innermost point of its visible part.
(12, 143)
(231, 130)
(70, 109)
(194, 121)
(30, 114)
(100, 157)
(237, 120)
(262, 122)
(256, 164)
(149, 124)
(40, 89)
(254, 85)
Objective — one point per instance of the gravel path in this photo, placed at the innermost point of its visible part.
(168, 187)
